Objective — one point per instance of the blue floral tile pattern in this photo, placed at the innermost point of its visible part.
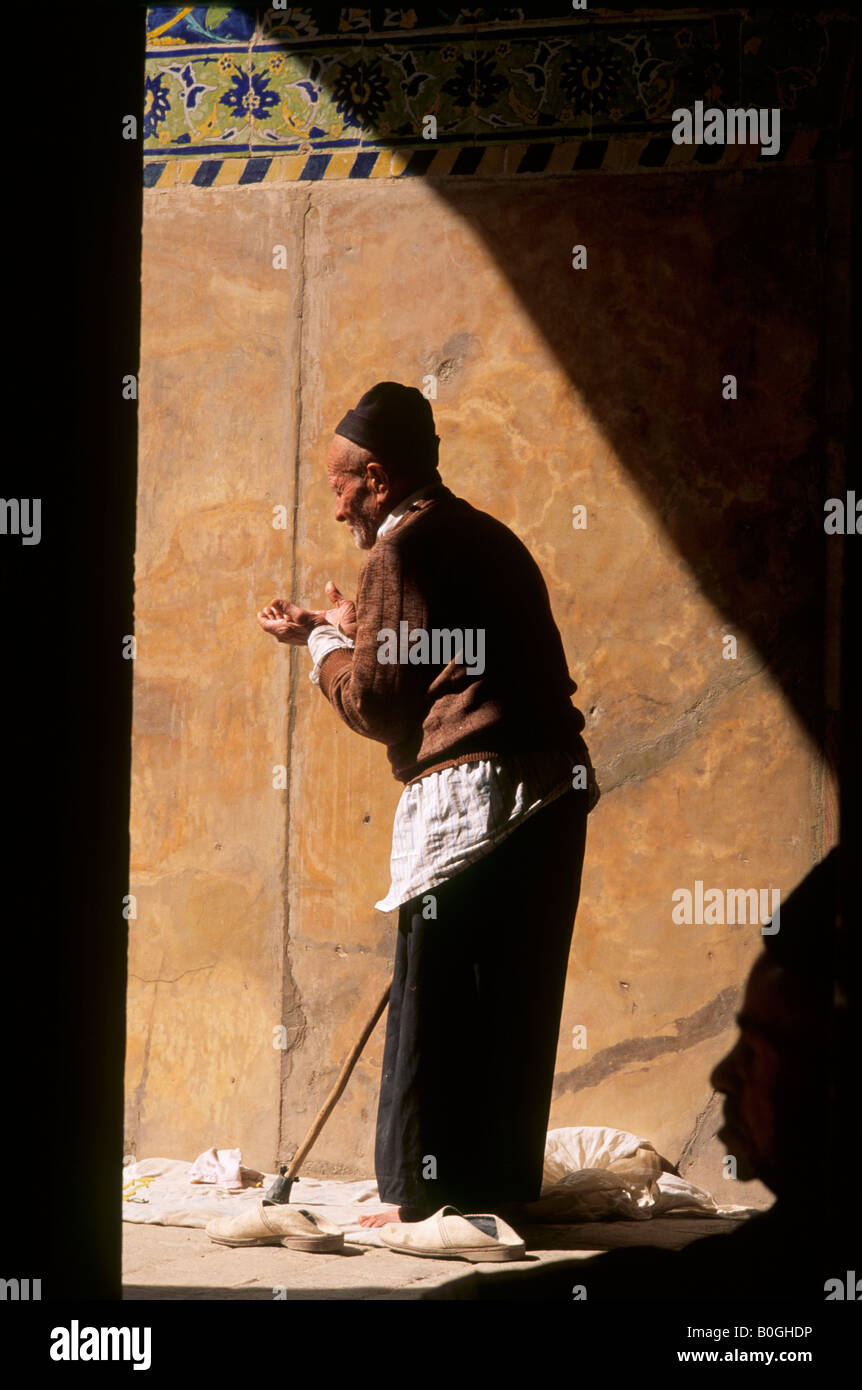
(177, 25)
(244, 81)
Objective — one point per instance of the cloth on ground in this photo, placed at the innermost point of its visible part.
(158, 1192)
(224, 1167)
(594, 1173)
(591, 1173)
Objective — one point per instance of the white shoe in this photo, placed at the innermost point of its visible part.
(276, 1224)
(450, 1235)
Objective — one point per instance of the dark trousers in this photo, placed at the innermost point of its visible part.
(473, 1023)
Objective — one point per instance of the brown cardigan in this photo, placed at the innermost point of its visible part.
(447, 565)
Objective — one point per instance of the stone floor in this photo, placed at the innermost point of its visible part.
(180, 1262)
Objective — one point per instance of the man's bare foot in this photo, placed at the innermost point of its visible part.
(381, 1218)
(509, 1211)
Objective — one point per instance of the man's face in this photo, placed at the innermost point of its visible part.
(356, 503)
(767, 1080)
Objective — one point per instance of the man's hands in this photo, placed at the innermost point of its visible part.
(286, 622)
(342, 614)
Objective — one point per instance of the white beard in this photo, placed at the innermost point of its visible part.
(362, 539)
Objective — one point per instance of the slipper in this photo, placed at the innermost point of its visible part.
(273, 1223)
(450, 1235)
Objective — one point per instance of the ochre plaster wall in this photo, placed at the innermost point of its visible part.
(255, 904)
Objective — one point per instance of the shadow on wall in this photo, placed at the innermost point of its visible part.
(690, 280)
(692, 277)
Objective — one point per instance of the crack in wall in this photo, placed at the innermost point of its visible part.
(355, 948)
(292, 1013)
(140, 1092)
(136, 1106)
(171, 980)
(686, 1153)
(642, 760)
(705, 1022)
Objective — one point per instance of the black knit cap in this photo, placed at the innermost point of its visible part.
(396, 423)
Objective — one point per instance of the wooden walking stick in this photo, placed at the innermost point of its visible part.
(280, 1190)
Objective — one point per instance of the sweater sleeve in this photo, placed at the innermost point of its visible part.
(383, 700)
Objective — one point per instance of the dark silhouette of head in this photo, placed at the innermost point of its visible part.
(779, 1079)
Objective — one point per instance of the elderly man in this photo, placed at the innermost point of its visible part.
(451, 658)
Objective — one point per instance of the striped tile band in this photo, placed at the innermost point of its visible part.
(489, 161)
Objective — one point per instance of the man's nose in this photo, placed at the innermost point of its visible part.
(721, 1075)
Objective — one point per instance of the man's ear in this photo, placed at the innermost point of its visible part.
(378, 478)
